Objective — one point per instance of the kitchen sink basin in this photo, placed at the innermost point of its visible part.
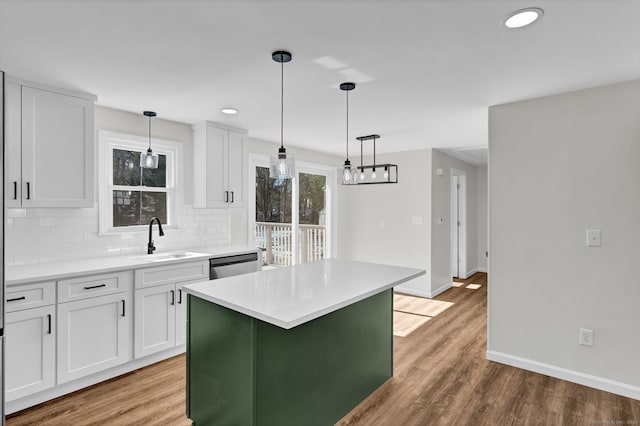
(163, 257)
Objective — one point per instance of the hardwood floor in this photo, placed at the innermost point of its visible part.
(441, 378)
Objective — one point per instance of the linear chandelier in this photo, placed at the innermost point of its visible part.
(366, 174)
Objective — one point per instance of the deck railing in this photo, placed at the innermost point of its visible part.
(276, 241)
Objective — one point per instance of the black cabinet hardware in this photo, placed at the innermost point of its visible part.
(49, 320)
(94, 286)
(173, 297)
(123, 312)
(15, 190)
(226, 196)
(28, 191)
(180, 297)
(232, 196)
(15, 299)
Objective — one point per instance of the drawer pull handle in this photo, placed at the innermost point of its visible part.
(15, 190)
(180, 296)
(90, 287)
(173, 297)
(123, 311)
(15, 299)
(49, 320)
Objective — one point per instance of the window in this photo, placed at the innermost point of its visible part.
(131, 195)
(291, 218)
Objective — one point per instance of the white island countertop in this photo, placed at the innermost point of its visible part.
(290, 296)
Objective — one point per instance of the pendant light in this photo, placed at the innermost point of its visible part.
(389, 171)
(282, 165)
(149, 160)
(348, 176)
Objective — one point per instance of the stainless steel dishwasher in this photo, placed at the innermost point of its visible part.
(228, 266)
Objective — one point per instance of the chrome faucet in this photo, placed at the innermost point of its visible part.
(150, 247)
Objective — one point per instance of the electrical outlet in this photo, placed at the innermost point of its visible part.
(381, 224)
(586, 337)
(202, 230)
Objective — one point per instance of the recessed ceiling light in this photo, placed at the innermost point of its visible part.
(523, 17)
(229, 111)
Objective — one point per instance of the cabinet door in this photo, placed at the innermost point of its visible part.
(236, 169)
(216, 171)
(155, 324)
(30, 363)
(94, 334)
(13, 143)
(57, 150)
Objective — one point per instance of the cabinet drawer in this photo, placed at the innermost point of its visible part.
(30, 296)
(95, 285)
(192, 271)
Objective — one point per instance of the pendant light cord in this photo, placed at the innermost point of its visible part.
(149, 132)
(347, 125)
(281, 104)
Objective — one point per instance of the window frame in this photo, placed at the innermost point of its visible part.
(108, 141)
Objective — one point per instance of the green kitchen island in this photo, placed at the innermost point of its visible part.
(300, 345)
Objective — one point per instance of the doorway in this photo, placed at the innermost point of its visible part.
(458, 224)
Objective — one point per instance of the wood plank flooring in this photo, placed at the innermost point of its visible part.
(441, 377)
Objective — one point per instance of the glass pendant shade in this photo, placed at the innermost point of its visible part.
(149, 160)
(282, 166)
(347, 174)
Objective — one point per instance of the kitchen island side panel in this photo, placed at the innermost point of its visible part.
(220, 365)
(317, 372)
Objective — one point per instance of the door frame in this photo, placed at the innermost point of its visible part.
(458, 213)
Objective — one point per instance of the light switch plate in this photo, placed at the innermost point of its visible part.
(593, 238)
(416, 220)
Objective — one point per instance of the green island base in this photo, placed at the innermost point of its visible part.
(244, 371)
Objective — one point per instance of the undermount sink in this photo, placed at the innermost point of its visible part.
(163, 257)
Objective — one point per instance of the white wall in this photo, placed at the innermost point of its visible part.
(560, 165)
(482, 216)
(361, 208)
(441, 277)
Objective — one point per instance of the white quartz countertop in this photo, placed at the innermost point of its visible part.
(57, 270)
(290, 296)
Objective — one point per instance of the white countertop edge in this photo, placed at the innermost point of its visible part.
(287, 325)
(52, 271)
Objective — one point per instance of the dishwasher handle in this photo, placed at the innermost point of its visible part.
(232, 260)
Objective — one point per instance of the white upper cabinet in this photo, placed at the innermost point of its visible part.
(50, 144)
(219, 166)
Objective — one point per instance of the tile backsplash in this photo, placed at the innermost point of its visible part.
(36, 235)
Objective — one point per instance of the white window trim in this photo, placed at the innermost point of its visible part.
(262, 160)
(106, 142)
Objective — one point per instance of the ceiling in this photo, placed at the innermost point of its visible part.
(426, 71)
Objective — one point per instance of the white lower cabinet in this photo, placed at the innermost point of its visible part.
(93, 334)
(160, 318)
(155, 324)
(30, 351)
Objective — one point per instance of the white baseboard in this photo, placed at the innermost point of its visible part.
(423, 293)
(413, 292)
(596, 382)
(474, 270)
(442, 288)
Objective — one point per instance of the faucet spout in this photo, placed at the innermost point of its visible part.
(150, 247)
